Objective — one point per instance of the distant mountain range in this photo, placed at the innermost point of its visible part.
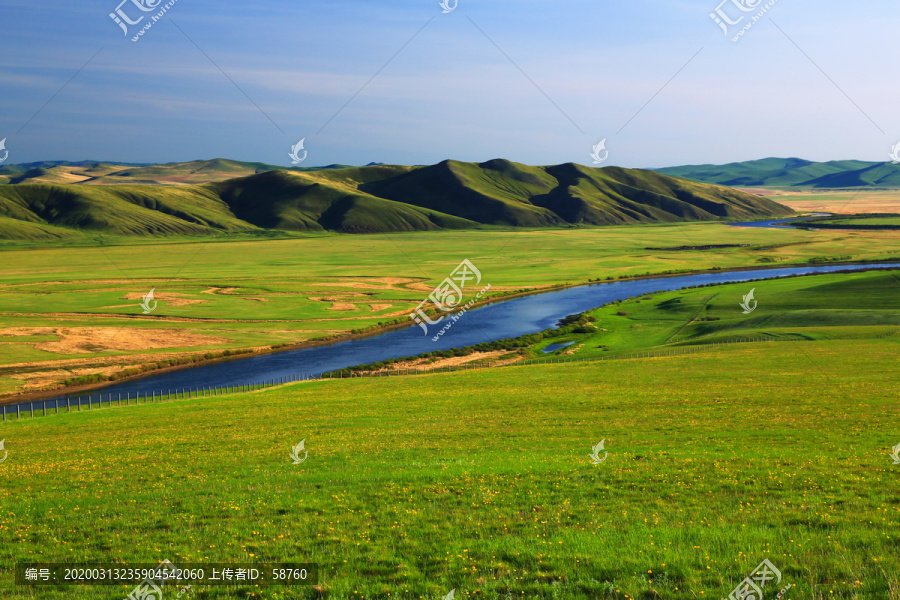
(64, 200)
(793, 172)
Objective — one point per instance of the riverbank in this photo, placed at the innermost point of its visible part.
(261, 353)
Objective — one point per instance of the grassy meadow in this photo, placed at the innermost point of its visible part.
(851, 201)
(481, 481)
(71, 312)
(816, 307)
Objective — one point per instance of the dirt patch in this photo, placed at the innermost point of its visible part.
(257, 299)
(46, 374)
(377, 307)
(473, 289)
(169, 298)
(333, 298)
(86, 340)
(342, 306)
(218, 290)
(356, 285)
(394, 280)
(454, 361)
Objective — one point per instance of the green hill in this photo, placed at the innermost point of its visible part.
(500, 192)
(100, 173)
(379, 198)
(792, 172)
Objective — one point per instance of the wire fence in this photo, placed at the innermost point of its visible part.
(75, 404)
(43, 408)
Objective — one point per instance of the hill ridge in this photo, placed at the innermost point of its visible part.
(380, 198)
(792, 172)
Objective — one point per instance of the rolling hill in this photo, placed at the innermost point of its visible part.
(793, 172)
(377, 198)
(101, 173)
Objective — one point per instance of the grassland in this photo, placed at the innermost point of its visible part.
(71, 311)
(878, 221)
(818, 307)
(859, 201)
(481, 481)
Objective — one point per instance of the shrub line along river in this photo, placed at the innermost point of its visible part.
(496, 321)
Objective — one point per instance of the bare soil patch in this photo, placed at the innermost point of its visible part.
(455, 360)
(167, 297)
(342, 306)
(87, 340)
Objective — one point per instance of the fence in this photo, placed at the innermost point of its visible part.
(203, 392)
(40, 408)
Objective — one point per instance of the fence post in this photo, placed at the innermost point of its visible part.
(18, 413)
(31, 404)
(68, 406)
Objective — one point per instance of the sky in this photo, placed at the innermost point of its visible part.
(536, 82)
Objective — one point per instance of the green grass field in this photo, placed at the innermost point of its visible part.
(72, 311)
(481, 481)
(818, 307)
(892, 221)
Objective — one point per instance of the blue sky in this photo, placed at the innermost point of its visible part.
(451, 92)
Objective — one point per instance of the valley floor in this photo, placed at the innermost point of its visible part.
(72, 313)
(482, 482)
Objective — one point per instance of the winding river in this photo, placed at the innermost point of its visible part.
(510, 318)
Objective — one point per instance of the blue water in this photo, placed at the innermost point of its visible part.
(779, 223)
(510, 318)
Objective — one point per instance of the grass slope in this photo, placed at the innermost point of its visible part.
(450, 195)
(814, 307)
(792, 172)
(481, 481)
(92, 172)
(504, 193)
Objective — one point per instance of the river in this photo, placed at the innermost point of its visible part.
(506, 319)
